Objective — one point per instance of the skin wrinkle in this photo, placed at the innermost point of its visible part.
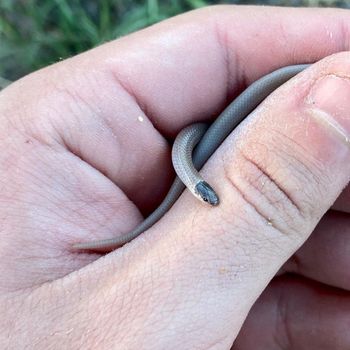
(267, 175)
(245, 226)
(282, 333)
(229, 179)
(265, 219)
(294, 162)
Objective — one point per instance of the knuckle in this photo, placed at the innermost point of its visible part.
(276, 184)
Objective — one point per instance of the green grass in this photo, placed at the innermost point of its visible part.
(35, 33)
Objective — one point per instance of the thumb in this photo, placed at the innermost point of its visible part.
(276, 175)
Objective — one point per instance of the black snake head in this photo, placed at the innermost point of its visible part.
(206, 193)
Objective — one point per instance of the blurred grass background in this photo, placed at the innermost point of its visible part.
(35, 33)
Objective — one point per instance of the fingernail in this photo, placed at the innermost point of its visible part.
(329, 101)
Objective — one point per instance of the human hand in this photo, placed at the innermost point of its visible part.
(84, 153)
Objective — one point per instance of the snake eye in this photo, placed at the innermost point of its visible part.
(206, 193)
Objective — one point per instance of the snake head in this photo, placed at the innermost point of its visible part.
(206, 193)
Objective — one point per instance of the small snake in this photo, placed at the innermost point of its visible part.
(192, 148)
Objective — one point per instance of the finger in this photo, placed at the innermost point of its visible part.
(325, 255)
(297, 314)
(276, 179)
(115, 99)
